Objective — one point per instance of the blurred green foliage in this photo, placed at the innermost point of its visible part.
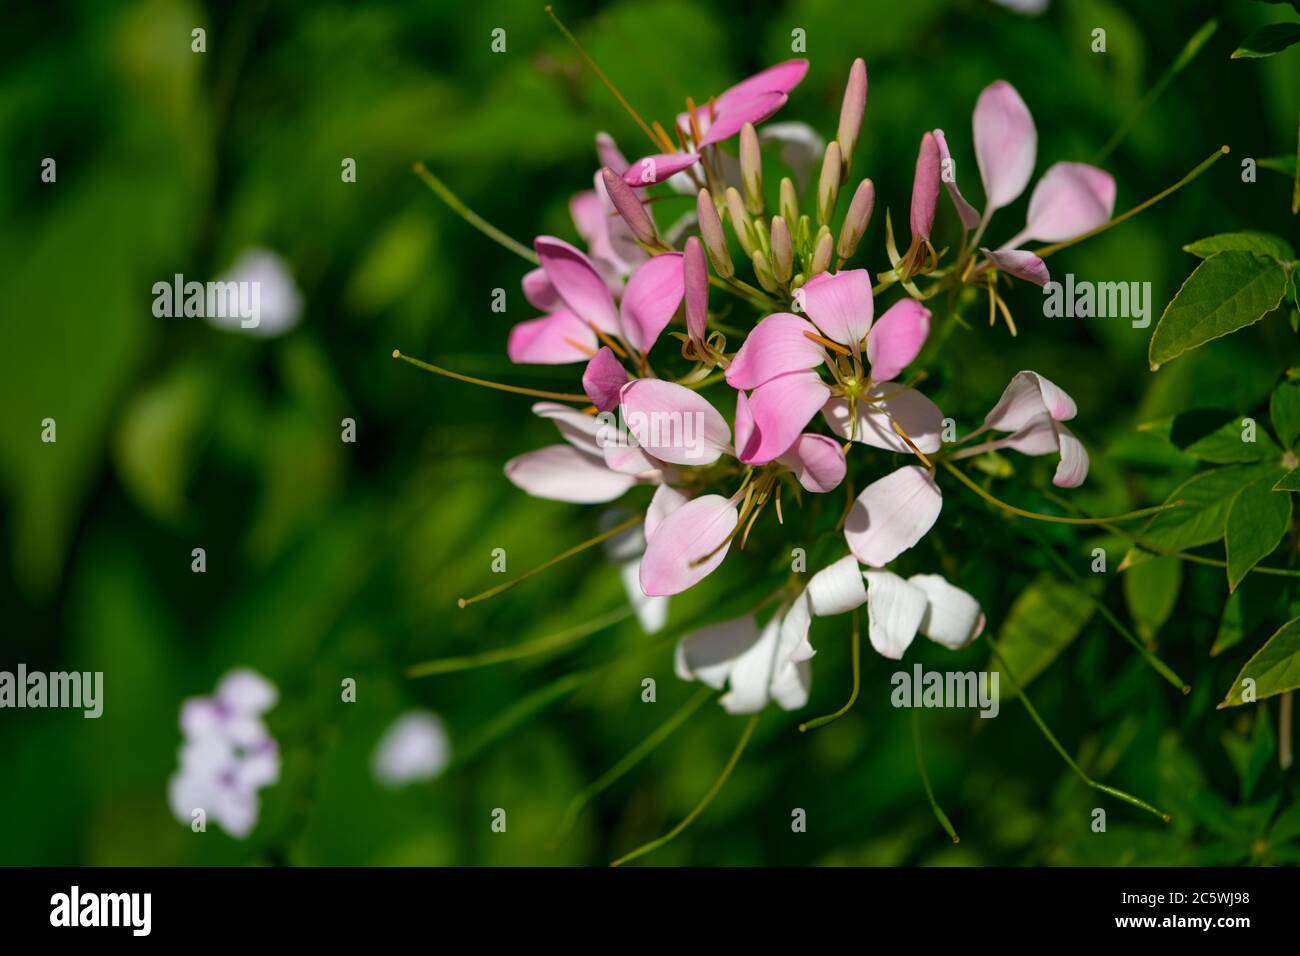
(328, 560)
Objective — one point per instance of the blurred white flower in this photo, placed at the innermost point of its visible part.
(1031, 7)
(279, 301)
(227, 755)
(415, 747)
(625, 550)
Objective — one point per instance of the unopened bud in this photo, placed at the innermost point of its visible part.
(828, 187)
(740, 221)
(715, 241)
(782, 250)
(695, 277)
(851, 110)
(751, 169)
(821, 259)
(629, 206)
(789, 205)
(855, 222)
(763, 271)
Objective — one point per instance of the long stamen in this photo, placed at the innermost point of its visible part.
(516, 389)
(600, 74)
(471, 217)
(925, 779)
(898, 429)
(827, 343)
(576, 549)
(1055, 519)
(1056, 744)
(584, 349)
(703, 804)
(857, 682)
(1045, 251)
(448, 665)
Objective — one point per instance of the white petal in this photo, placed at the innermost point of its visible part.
(952, 617)
(651, 612)
(415, 747)
(710, 654)
(894, 612)
(892, 514)
(837, 588)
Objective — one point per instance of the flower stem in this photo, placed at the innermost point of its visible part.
(925, 779)
(1056, 745)
(471, 217)
(1055, 519)
(516, 389)
(700, 807)
(448, 665)
(857, 680)
(1044, 251)
(637, 754)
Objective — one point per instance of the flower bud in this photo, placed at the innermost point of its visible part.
(855, 222)
(925, 188)
(695, 276)
(763, 271)
(851, 110)
(740, 221)
(782, 250)
(751, 169)
(629, 206)
(825, 245)
(828, 187)
(715, 241)
(789, 205)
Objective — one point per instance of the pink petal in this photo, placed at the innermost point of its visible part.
(839, 304)
(697, 529)
(562, 473)
(781, 78)
(588, 215)
(1019, 263)
(780, 409)
(728, 121)
(968, 214)
(915, 414)
(655, 169)
(1025, 397)
(651, 299)
(608, 153)
(896, 338)
(630, 459)
(539, 292)
(616, 246)
(603, 378)
(1069, 200)
(816, 460)
(895, 610)
(952, 617)
(585, 432)
(578, 283)
(892, 514)
(695, 274)
(665, 501)
(925, 187)
(1006, 143)
(1038, 437)
(775, 346)
(553, 339)
(1073, 468)
(674, 423)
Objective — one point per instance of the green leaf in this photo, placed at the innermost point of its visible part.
(1284, 412)
(1227, 292)
(1220, 436)
(1047, 616)
(1260, 243)
(1251, 757)
(1289, 482)
(1256, 523)
(1268, 40)
(1257, 601)
(1206, 498)
(1275, 668)
(1151, 590)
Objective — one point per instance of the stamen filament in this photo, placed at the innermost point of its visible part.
(823, 341)
(703, 804)
(910, 444)
(857, 683)
(607, 339)
(471, 217)
(516, 389)
(576, 549)
(925, 779)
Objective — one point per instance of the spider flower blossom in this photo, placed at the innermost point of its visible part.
(1069, 199)
(228, 754)
(414, 748)
(772, 663)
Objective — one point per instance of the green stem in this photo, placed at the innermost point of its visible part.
(925, 779)
(703, 804)
(448, 665)
(638, 753)
(529, 706)
(471, 217)
(515, 389)
(1056, 744)
(857, 678)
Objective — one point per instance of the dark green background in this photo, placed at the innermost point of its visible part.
(328, 560)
